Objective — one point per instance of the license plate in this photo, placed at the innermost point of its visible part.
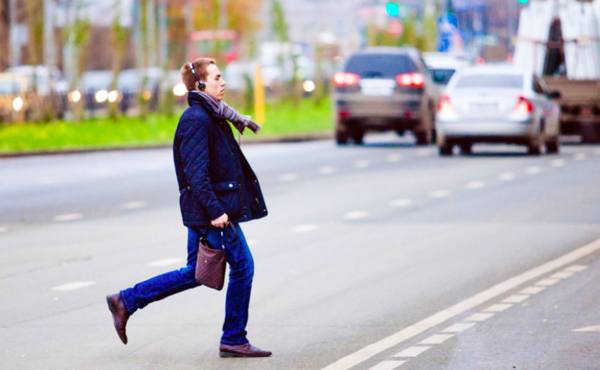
(377, 91)
(484, 107)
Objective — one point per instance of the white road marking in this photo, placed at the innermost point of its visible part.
(304, 228)
(580, 157)
(588, 329)
(558, 163)
(473, 185)
(49, 180)
(533, 170)
(413, 351)
(515, 298)
(394, 158)
(482, 297)
(576, 268)
(423, 152)
(547, 282)
(562, 275)
(326, 170)
(532, 290)
(437, 339)
(388, 365)
(480, 316)
(459, 328)
(288, 177)
(73, 286)
(101, 172)
(597, 152)
(401, 203)
(356, 215)
(165, 262)
(362, 163)
(134, 205)
(68, 217)
(499, 307)
(438, 194)
(507, 176)
(3, 229)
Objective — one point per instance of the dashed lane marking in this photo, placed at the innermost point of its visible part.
(515, 298)
(558, 163)
(166, 262)
(356, 215)
(533, 170)
(413, 351)
(401, 203)
(437, 339)
(288, 177)
(438, 194)
(134, 205)
(3, 229)
(547, 282)
(73, 286)
(480, 316)
(588, 329)
(459, 328)
(474, 185)
(498, 307)
(580, 157)
(304, 228)
(362, 163)
(68, 217)
(326, 170)
(394, 158)
(532, 290)
(562, 275)
(388, 365)
(507, 176)
(478, 299)
(49, 181)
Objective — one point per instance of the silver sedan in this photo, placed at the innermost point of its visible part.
(497, 104)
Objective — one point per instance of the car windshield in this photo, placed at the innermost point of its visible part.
(9, 87)
(380, 65)
(501, 81)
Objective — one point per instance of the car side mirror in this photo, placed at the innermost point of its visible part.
(554, 94)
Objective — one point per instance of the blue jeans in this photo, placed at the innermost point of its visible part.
(241, 272)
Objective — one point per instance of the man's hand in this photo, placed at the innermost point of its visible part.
(220, 222)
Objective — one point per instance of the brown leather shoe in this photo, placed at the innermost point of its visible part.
(119, 314)
(243, 350)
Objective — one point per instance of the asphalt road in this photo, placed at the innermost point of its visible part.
(382, 256)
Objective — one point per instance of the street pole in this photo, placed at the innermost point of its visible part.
(15, 47)
(49, 47)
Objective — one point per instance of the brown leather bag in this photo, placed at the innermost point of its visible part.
(210, 266)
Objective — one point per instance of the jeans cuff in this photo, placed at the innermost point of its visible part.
(128, 307)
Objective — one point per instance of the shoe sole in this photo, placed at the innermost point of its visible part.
(113, 311)
(238, 355)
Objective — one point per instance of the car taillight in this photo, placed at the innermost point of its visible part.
(445, 105)
(415, 80)
(524, 106)
(343, 79)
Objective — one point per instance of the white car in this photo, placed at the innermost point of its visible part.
(497, 104)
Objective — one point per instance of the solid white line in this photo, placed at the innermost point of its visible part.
(355, 215)
(388, 365)
(68, 217)
(506, 176)
(515, 298)
(362, 163)
(442, 316)
(499, 307)
(304, 228)
(134, 205)
(326, 170)
(394, 158)
(533, 170)
(439, 194)
(480, 316)
(413, 351)
(437, 339)
(288, 177)
(547, 282)
(459, 328)
(473, 185)
(532, 290)
(401, 203)
(73, 286)
(588, 329)
(165, 262)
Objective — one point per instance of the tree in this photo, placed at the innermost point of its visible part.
(77, 35)
(4, 34)
(118, 38)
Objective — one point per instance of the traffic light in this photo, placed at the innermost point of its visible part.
(523, 2)
(392, 9)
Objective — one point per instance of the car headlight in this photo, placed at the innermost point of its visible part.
(308, 86)
(101, 96)
(180, 89)
(75, 96)
(18, 104)
(113, 96)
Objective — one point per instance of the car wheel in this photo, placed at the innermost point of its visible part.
(358, 136)
(341, 138)
(466, 148)
(423, 138)
(553, 146)
(445, 149)
(535, 145)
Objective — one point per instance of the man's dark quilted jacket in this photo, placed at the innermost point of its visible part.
(213, 175)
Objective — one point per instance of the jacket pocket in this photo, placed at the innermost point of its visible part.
(228, 194)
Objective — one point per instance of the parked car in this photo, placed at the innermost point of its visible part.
(14, 102)
(384, 89)
(95, 87)
(497, 104)
(44, 85)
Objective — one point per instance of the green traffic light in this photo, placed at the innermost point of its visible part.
(392, 9)
(523, 2)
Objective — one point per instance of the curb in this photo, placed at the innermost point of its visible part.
(273, 140)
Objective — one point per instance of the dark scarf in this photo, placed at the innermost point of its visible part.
(220, 110)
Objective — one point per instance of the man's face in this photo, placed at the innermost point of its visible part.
(215, 84)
